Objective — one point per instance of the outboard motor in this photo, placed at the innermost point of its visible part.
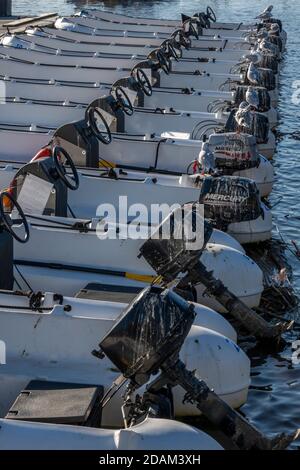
(230, 200)
(269, 61)
(250, 122)
(169, 256)
(53, 171)
(260, 59)
(233, 152)
(258, 76)
(270, 22)
(267, 47)
(146, 341)
(263, 103)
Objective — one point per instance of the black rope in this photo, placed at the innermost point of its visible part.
(157, 151)
(23, 278)
(71, 212)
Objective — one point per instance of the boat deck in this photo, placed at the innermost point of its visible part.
(19, 24)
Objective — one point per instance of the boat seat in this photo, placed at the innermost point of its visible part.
(108, 293)
(176, 135)
(59, 402)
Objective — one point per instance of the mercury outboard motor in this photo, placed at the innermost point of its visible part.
(233, 152)
(230, 199)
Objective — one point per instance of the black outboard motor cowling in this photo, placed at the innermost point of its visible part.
(152, 328)
(276, 40)
(262, 93)
(269, 61)
(171, 256)
(269, 22)
(230, 200)
(234, 151)
(259, 126)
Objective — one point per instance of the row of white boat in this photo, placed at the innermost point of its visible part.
(103, 106)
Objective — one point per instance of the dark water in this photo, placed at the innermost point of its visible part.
(274, 399)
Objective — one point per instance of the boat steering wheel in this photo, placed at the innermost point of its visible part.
(204, 21)
(143, 81)
(73, 181)
(211, 14)
(123, 100)
(192, 29)
(170, 49)
(104, 137)
(9, 222)
(183, 40)
(163, 61)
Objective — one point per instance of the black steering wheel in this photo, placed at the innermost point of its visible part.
(211, 14)
(123, 100)
(171, 50)
(204, 21)
(163, 61)
(104, 137)
(183, 40)
(9, 222)
(192, 30)
(143, 81)
(73, 181)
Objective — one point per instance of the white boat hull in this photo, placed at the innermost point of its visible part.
(45, 351)
(71, 257)
(151, 434)
(177, 124)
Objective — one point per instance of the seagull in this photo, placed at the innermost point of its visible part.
(253, 74)
(274, 29)
(206, 159)
(243, 116)
(262, 34)
(252, 97)
(268, 47)
(266, 13)
(268, 9)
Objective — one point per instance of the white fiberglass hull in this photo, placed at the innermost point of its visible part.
(85, 75)
(150, 189)
(174, 155)
(84, 26)
(54, 40)
(177, 124)
(58, 93)
(136, 20)
(116, 60)
(73, 259)
(155, 40)
(50, 353)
